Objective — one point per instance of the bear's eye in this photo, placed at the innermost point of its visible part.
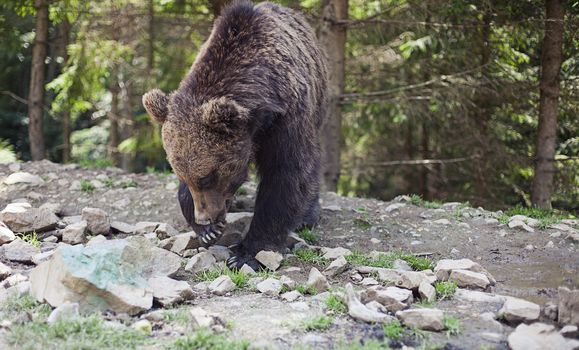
(207, 181)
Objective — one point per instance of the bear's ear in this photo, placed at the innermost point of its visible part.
(156, 104)
(224, 115)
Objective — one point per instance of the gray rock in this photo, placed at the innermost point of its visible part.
(222, 285)
(52, 207)
(368, 282)
(220, 253)
(75, 233)
(5, 271)
(19, 217)
(359, 311)
(334, 253)
(517, 310)
(269, 259)
(270, 286)
(570, 331)
(401, 265)
(551, 311)
(317, 281)
(145, 227)
(97, 221)
(287, 282)
(402, 279)
(426, 319)
(20, 251)
(445, 266)
(394, 207)
(122, 227)
(23, 178)
(568, 306)
(167, 291)
(203, 319)
(6, 234)
(427, 291)
(165, 231)
(109, 275)
(96, 239)
(469, 279)
(539, 336)
(393, 298)
(42, 257)
(13, 280)
(184, 241)
(200, 262)
(65, 311)
(291, 296)
(336, 267)
(520, 224)
(246, 269)
(470, 296)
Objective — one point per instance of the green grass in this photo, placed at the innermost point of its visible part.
(363, 345)
(310, 256)
(204, 339)
(30, 238)
(418, 201)
(387, 260)
(86, 186)
(17, 305)
(336, 305)
(545, 217)
(451, 325)
(178, 316)
(238, 277)
(425, 304)
(129, 183)
(305, 290)
(393, 330)
(109, 183)
(308, 235)
(445, 290)
(242, 191)
(318, 323)
(96, 163)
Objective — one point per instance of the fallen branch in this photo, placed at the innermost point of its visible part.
(423, 161)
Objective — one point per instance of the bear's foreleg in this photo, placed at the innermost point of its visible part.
(208, 234)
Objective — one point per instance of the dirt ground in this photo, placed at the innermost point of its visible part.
(524, 263)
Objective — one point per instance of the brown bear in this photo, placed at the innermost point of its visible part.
(255, 93)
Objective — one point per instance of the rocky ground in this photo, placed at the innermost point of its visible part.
(99, 258)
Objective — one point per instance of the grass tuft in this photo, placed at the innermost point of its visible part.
(30, 238)
(204, 339)
(310, 256)
(308, 235)
(445, 290)
(387, 260)
(418, 201)
(393, 330)
(318, 323)
(240, 279)
(336, 304)
(545, 217)
(86, 186)
(451, 325)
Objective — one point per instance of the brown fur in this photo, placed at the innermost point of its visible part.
(256, 92)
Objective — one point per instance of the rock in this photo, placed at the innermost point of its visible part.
(14, 167)
(65, 311)
(442, 222)
(20, 217)
(75, 233)
(359, 311)
(551, 311)
(50, 239)
(425, 319)
(334, 253)
(42, 257)
(336, 267)
(368, 281)
(470, 296)
(445, 266)
(143, 326)
(401, 265)
(402, 279)
(5, 271)
(539, 336)
(317, 281)
(269, 259)
(570, 331)
(200, 262)
(203, 319)
(13, 281)
(568, 306)
(97, 221)
(165, 231)
(220, 253)
(291, 296)
(527, 220)
(520, 225)
(184, 241)
(287, 282)
(145, 227)
(334, 208)
(96, 239)
(222, 285)
(109, 275)
(122, 227)
(167, 291)
(393, 298)
(427, 291)
(294, 240)
(517, 310)
(451, 205)
(394, 207)
(376, 306)
(246, 269)
(20, 251)
(270, 286)
(6, 234)
(469, 279)
(23, 178)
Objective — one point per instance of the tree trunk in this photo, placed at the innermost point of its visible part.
(333, 37)
(151, 43)
(64, 30)
(113, 149)
(551, 59)
(36, 94)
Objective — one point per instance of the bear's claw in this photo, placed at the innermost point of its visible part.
(237, 261)
(210, 235)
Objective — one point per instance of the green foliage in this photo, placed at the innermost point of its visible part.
(241, 191)
(178, 316)
(336, 304)
(445, 290)
(386, 260)
(545, 217)
(308, 235)
(451, 325)
(30, 238)
(129, 183)
(393, 330)
(238, 277)
(418, 201)
(204, 339)
(18, 304)
(99, 163)
(86, 186)
(318, 323)
(310, 256)
(306, 290)
(7, 153)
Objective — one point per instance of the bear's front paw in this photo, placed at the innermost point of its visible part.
(237, 261)
(210, 234)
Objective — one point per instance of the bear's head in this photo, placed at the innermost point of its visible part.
(208, 146)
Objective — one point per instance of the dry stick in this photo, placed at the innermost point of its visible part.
(20, 99)
(423, 161)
